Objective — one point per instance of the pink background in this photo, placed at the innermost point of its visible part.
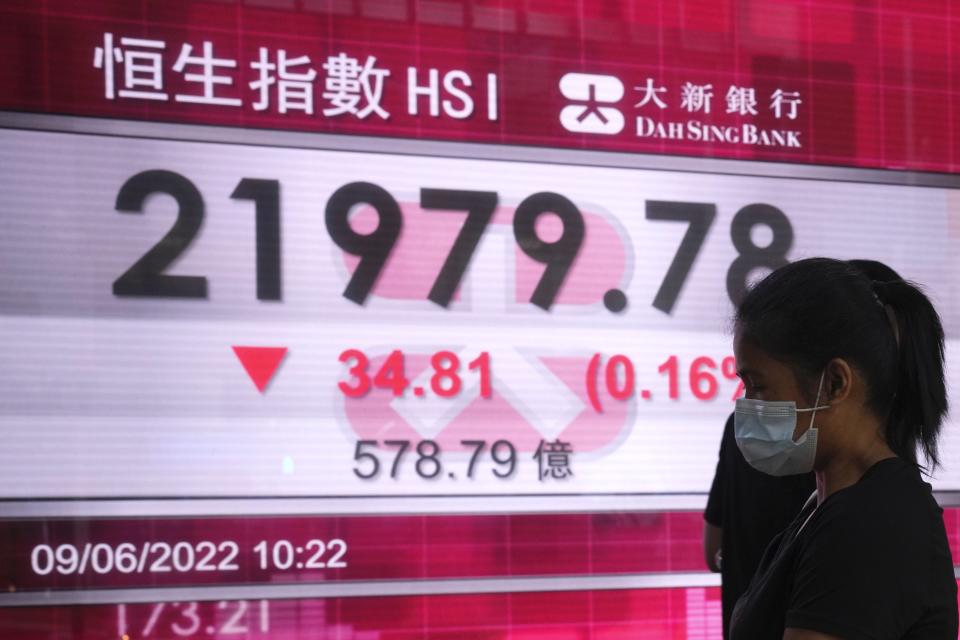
(877, 79)
(879, 86)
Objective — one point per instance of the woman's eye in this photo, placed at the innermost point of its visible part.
(751, 391)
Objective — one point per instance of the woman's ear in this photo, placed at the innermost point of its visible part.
(838, 381)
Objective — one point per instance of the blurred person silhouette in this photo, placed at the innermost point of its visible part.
(745, 510)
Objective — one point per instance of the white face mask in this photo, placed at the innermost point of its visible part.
(764, 433)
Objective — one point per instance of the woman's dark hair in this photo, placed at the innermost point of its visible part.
(875, 270)
(811, 311)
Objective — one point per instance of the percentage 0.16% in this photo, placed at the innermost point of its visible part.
(619, 378)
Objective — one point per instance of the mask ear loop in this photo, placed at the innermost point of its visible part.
(816, 403)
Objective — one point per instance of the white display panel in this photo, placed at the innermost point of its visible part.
(96, 386)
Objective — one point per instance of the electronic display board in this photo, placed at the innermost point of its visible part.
(411, 319)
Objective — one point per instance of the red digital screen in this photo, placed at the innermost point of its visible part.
(410, 319)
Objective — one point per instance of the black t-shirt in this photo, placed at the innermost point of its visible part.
(870, 563)
(751, 507)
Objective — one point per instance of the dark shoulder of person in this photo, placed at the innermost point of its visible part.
(752, 508)
(874, 561)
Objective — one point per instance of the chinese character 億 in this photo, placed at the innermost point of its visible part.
(294, 90)
(694, 97)
(142, 69)
(742, 101)
(650, 93)
(207, 76)
(553, 459)
(345, 81)
(790, 98)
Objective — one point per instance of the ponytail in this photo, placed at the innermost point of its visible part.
(920, 399)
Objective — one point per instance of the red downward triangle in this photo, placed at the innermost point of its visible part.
(260, 362)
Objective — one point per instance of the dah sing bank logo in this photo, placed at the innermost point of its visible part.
(595, 108)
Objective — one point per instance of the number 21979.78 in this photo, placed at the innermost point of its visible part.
(146, 277)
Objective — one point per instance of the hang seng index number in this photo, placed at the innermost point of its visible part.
(147, 276)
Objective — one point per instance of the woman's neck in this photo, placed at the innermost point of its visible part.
(846, 467)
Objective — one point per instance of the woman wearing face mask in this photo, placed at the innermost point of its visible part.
(844, 376)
